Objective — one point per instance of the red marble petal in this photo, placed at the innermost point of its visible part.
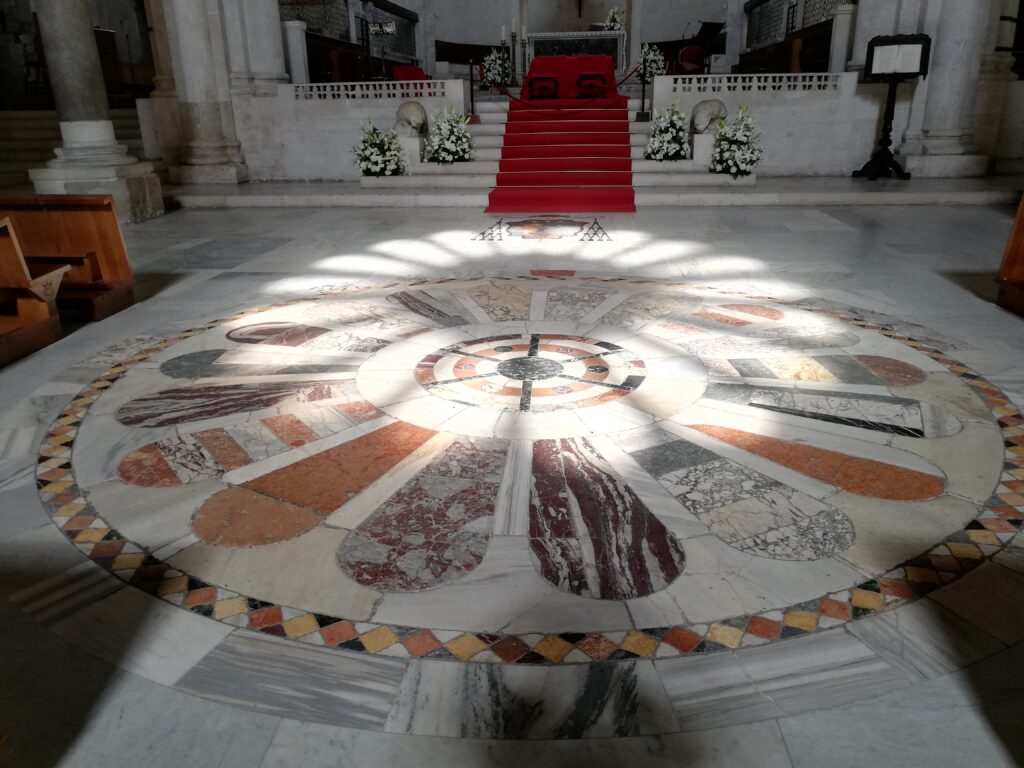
(895, 373)
(147, 467)
(238, 517)
(865, 477)
(579, 509)
(326, 481)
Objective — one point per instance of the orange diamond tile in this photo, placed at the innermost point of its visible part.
(376, 640)
(553, 647)
(639, 643)
(863, 598)
(466, 646)
(421, 643)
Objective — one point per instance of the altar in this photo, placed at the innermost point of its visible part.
(607, 42)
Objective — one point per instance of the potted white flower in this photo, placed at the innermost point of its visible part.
(737, 149)
(670, 136)
(497, 68)
(615, 20)
(449, 140)
(379, 153)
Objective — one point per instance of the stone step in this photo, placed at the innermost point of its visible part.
(694, 178)
(489, 148)
(498, 129)
(477, 165)
(450, 181)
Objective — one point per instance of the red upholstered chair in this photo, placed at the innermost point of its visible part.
(543, 86)
(591, 85)
(407, 72)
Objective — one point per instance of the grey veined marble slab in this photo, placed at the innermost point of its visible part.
(301, 682)
(496, 701)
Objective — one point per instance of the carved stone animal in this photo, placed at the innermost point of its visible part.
(706, 114)
(411, 119)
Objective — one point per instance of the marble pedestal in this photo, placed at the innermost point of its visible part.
(91, 162)
(947, 166)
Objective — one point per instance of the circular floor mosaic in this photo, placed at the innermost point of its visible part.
(537, 470)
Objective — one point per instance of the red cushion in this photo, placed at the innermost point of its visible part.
(567, 70)
(407, 72)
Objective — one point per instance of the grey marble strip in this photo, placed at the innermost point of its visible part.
(298, 681)
(499, 701)
(777, 680)
(874, 426)
(925, 640)
(752, 368)
(848, 370)
(66, 593)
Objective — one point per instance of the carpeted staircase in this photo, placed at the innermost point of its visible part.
(565, 156)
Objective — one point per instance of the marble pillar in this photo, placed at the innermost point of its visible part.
(635, 41)
(163, 101)
(842, 37)
(874, 17)
(210, 153)
(735, 33)
(89, 160)
(255, 46)
(296, 57)
(953, 77)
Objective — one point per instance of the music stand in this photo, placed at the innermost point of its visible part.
(892, 59)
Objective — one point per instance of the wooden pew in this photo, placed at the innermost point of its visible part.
(28, 312)
(81, 232)
(1011, 274)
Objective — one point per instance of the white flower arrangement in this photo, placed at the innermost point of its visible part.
(449, 140)
(737, 148)
(378, 153)
(497, 68)
(670, 137)
(652, 63)
(615, 20)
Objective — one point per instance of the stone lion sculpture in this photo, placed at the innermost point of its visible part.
(411, 119)
(706, 114)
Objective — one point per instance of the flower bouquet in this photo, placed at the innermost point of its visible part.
(737, 148)
(449, 140)
(670, 137)
(378, 153)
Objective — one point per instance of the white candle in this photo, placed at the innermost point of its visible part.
(502, 33)
(524, 31)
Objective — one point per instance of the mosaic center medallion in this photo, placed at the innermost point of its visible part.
(538, 470)
(532, 372)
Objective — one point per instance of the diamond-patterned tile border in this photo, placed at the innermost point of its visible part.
(999, 521)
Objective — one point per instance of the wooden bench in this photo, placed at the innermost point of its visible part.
(28, 311)
(82, 233)
(1011, 274)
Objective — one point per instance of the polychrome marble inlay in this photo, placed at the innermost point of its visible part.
(536, 470)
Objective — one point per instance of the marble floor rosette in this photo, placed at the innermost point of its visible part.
(514, 498)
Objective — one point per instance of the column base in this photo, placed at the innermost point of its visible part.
(222, 173)
(948, 166)
(135, 188)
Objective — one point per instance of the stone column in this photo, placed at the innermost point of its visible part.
(89, 161)
(210, 153)
(635, 41)
(255, 45)
(874, 17)
(955, 64)
(842, 32)
(295, 51)
(735, 33)
(163, 101)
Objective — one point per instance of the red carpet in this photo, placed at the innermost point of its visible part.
(565, 156)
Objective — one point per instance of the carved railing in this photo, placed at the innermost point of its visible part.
(678, 85)
(400, 90)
